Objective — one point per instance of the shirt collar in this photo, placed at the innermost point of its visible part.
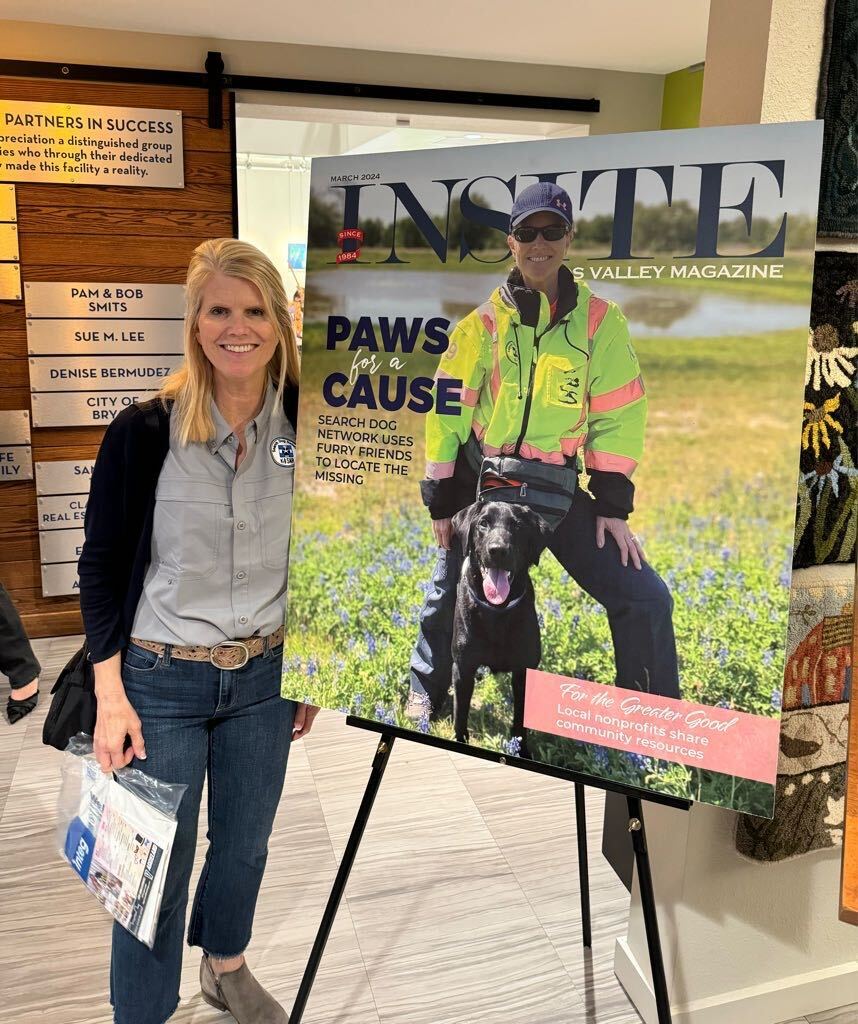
(260, 424)
(223, 431)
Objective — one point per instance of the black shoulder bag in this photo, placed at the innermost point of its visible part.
(73, 704)
(546, 488)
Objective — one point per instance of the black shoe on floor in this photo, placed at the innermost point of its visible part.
(18, 709)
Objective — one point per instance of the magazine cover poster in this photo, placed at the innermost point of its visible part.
(549, 432)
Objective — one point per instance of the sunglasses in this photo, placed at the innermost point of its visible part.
(551, 233)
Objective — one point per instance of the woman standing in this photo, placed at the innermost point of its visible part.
(182, 579)
(549, 375)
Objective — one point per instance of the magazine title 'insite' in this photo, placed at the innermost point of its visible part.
(762, 176)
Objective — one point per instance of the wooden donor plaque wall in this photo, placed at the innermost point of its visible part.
(10, 267)
(62, 489)
(105, 191)
(16, 454)
(96, 348)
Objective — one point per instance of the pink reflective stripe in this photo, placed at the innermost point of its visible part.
(478, 429)
(596, 311)
(469, 396)
(609, 463)
(439, 470)
(490, 449)
(486, 314)
(528, 451)
(570, 445)
(496, 374)
(619, 397)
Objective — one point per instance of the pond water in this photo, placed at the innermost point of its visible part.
(652, 310)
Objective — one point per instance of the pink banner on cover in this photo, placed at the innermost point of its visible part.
(697, 735)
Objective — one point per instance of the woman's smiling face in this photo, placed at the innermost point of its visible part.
(233, 328)
(539, 260)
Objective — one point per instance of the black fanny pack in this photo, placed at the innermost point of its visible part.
(546, 488)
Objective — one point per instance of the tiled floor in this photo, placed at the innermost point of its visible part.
(843, 1015)
(454, 914)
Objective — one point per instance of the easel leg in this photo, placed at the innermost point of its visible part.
(583, 866)
(653, 940)
(382, 755)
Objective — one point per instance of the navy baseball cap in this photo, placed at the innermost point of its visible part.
(543, 197)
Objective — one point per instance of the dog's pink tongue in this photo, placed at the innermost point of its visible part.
(496, 585)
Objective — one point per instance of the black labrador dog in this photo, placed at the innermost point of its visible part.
(495, 622)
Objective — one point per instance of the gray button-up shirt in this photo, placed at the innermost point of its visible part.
(220, 537)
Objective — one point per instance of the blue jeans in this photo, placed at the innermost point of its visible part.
(638, 603)
(233, 727)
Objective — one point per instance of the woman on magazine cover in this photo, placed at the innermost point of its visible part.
(549, 374)
(182, 583)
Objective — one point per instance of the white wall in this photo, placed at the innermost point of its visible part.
(795, 52)
(734, 77)
(273, 199)
(743, 942)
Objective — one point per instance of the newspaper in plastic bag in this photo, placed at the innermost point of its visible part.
(116, 831)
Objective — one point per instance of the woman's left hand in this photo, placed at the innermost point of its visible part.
(629, 545)
(305, 715)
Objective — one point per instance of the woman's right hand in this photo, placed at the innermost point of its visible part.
(115, 719)
(443, 530)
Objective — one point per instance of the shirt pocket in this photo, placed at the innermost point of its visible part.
(188, 532)
(275, 520)
(564, 382)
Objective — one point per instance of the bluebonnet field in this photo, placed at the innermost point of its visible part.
(355, 599)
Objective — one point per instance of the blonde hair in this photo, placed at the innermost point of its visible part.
(191, 385)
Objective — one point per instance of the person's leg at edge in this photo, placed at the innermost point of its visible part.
(637, 601)
(17, 661)
(432, 660)
(174, 703)
(248, 753)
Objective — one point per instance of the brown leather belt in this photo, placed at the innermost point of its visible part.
(229, 654)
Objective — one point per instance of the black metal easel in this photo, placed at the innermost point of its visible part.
(634, 798)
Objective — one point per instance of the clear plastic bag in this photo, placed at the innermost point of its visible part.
(116, 832)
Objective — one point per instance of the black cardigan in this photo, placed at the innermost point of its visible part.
(118, 522)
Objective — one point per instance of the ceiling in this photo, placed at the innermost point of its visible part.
(656, 36)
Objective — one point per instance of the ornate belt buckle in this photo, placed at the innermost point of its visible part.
(229, 644)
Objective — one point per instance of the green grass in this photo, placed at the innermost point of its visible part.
(355, 599)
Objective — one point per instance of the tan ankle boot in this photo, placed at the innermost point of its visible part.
(240, 994)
